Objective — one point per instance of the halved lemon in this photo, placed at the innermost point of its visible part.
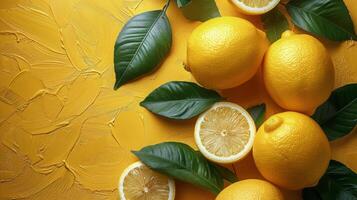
(225, 133)
(255, 7)
(139, 182)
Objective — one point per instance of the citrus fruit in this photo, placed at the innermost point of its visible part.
(291, 150)
(254, 7)
(298, 72)
(225, 52)
(138, 182)
(225, 133)
(251, 189)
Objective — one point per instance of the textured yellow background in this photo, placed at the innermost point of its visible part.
(64, 132)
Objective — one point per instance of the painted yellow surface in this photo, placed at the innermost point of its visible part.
(66, 134)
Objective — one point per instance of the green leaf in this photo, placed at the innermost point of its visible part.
(200, 10)
(180, 100)
(181, 162)
(142, 44)
(181, 3)
(325, 18)
(225, 173)
(310, 194)
(257, 113)
(275, 24)
(338, 183)
(338, 115)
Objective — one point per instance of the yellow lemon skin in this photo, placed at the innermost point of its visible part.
(298, 72)
(291, 150)
(251, 189)
(225, 52)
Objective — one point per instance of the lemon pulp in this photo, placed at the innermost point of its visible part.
(256, 3)
(139, 182)
(225, 132)
(255, 7)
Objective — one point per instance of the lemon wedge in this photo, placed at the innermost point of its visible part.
(225, 133)
(255, 7)
(139, 182)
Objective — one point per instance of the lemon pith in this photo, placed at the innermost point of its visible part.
(251, 189)
(291, 150)
(215, 56)
(138, 182)
(224, 133)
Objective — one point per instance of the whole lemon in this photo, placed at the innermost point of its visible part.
(291, 150)
(251, 189)
(298, 72)
(225, 52)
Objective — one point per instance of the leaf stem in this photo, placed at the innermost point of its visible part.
(281, 3)
(166, 5)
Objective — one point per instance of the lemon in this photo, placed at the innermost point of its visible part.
(225, 52)
(298, 72)
(291, 150)
(251, 189)
(254, 7)
(225, 133)
(138, 182)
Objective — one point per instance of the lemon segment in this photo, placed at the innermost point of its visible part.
(225, 133)
(255, 7)
(138, 182)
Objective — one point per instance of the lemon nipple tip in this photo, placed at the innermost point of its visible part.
(287, 34)
(272, 123)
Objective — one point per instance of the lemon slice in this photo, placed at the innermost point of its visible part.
(255, 7)
(138, 182)
(225, 133)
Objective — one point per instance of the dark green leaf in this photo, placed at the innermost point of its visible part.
(338, 115)
(325, 18)
(180, 100)
(275, 24)
(200, 10)
(257, 113)
(226, 173)
(181, 162)
(181, 3)
(338, 183)
(142, 44)
(310, 194)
